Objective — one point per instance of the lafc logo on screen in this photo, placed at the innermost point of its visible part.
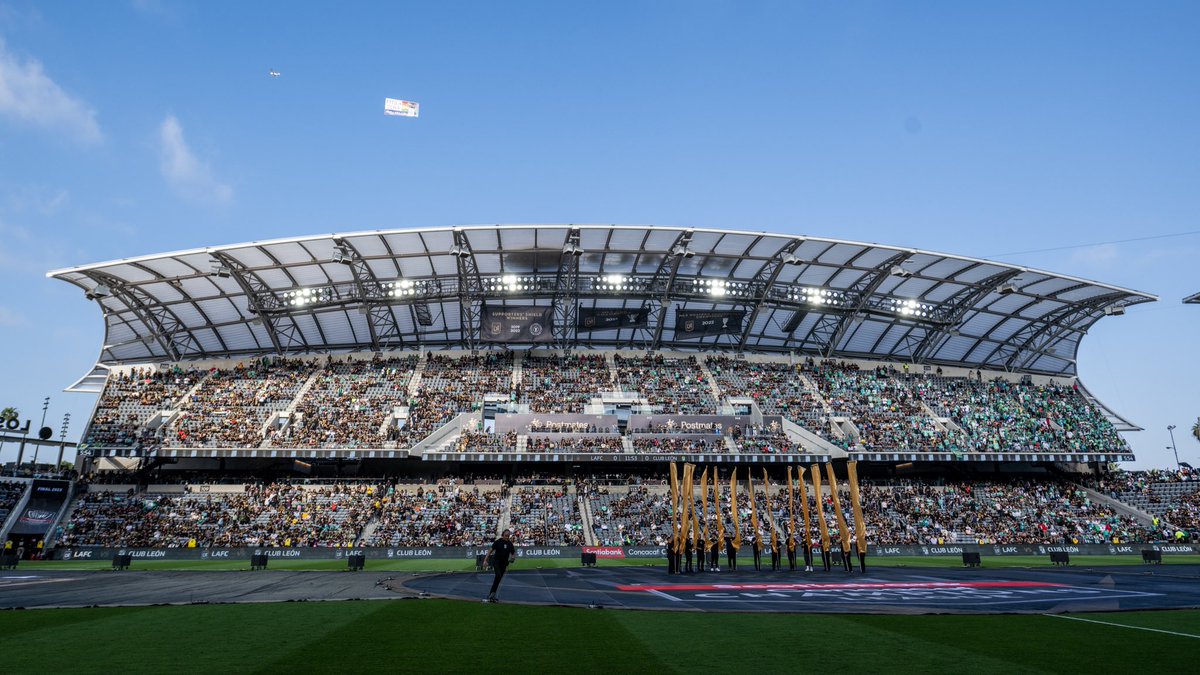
(497, 328)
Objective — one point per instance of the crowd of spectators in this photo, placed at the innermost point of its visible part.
(764, 440)
(777, 388)
(545, 517)
(993, 512)
(670, 385)
(444, 516)
(10, 494)
(276, 514)
(625, 510)
(585, 444)
(637, 517)
(452, 385)
(482, 441)
(1171, 496)
(231, 407)
(679, 445)
(1003, 416)
(347, 404)
(883, 407)
(563, 384)
(130, 399)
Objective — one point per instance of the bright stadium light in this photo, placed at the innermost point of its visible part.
(306, 296)
(399, 288)
(818, 296)
(911, 307)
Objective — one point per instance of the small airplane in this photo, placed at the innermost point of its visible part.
(273, 73)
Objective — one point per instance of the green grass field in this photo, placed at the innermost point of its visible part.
(408, 565)
(451, 636)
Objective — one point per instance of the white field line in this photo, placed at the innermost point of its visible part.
(1121, 625)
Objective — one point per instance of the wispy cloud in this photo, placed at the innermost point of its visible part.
(29, 96)
(1101, 255)
(11, 319)
(190, 177)
(37, 199)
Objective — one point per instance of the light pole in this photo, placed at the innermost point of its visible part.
(1171, 430)
(62, 440)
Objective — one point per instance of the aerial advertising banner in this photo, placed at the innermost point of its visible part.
(694, 323)
(516, 324)
(610, 318)
(398, 108)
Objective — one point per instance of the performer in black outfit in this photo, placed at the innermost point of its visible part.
(501, 553)
(776, 561)
(671, 555)
(730, 554)
(687, 551)
(714, 556)
(808, 558)
(756, 546)
(699, 555)
(791, 552)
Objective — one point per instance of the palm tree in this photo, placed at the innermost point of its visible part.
(11, 413)
(1196, 429)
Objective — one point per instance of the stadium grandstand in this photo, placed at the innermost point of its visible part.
(428, 388)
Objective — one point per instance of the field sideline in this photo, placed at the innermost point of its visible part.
(431, 565)
(452, 636)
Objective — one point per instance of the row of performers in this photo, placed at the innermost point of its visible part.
(688, 540)
(705, 556)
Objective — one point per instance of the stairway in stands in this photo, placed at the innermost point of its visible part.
(712, 381)
(414, 385)
(585, 517)
(291, 408)
(505, 520)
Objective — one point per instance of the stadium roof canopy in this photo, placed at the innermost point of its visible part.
(424, 288)
(1192, 299)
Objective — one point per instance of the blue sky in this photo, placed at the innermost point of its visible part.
(983, 129)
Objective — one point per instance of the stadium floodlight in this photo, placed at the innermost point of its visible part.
(100, 291)
(220, 270)
(898, 271)
(911, 307)
(719, 288)
(300, 297)
(818, 296)
(1007, 289)
(572, 249)
(1115, 310)
(400, 287)
(342, 256)
(683, 250)
(790, 258)
(460, 251)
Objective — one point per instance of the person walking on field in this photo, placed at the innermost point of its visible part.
(499, 556)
